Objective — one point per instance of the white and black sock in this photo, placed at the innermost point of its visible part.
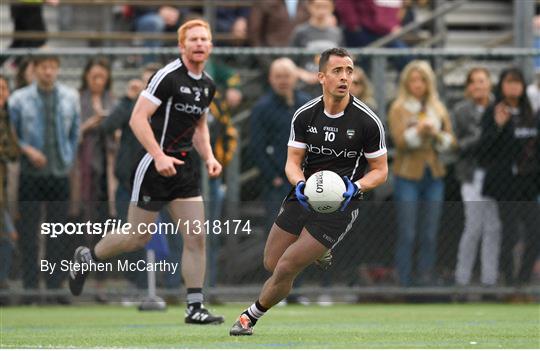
(255, 311)
(194, 298)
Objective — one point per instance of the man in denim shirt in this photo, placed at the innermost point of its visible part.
(46, 118)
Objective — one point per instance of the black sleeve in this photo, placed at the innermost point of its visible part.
(489, 135)
(373, 136)
(467, 138)
(297, 137)
(496, 143)
(160, 87)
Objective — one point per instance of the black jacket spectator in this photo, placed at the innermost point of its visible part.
(510, 153)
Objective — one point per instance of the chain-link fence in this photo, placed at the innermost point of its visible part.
(395, 247)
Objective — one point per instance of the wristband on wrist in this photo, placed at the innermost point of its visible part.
(359, 192)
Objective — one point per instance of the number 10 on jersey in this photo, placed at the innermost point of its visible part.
(329, 136)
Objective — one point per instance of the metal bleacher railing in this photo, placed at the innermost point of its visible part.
(103, 31)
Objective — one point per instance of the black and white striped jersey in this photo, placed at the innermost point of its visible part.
(339, 143)
(183, 98)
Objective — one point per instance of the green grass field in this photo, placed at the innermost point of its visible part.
(339, 326)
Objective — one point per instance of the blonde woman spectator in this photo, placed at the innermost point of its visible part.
(482, 222)
(362, 89)
(420, 128)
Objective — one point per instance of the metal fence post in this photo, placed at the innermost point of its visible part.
(210, 13)
(378, 77)
(523, 34)
(439, 26)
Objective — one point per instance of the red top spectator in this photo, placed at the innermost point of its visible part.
(377, 16)
(366, 21)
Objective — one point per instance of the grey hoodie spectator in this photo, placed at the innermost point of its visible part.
(482, 222)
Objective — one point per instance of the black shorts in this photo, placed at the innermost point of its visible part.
(151, 191)
(328, 228)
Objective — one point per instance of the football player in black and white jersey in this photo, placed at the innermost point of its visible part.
(169, 120)
(334, 132)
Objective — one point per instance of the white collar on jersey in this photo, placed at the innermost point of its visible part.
(337, 115)
(194, 76)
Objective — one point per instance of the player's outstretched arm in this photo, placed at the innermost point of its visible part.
(293, 167)
(201, 142)
(378, 173)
